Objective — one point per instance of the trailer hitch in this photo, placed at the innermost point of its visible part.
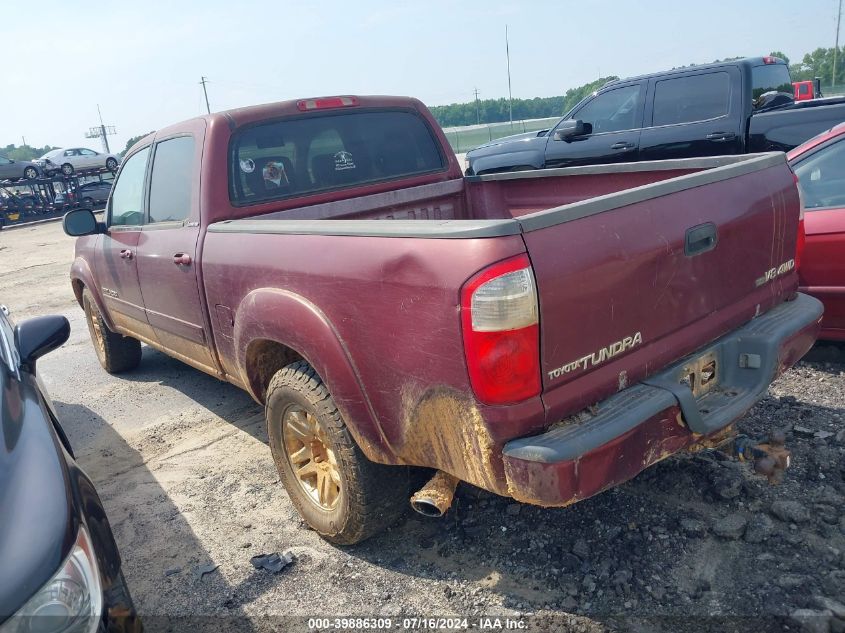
(769, 457)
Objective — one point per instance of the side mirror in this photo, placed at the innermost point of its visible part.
(572, 127)
(80, 222)
(35, 337)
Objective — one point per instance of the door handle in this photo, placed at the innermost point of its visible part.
(700, 239)
(127, 254)
(182, 259)
(721, 137)
(622, 145)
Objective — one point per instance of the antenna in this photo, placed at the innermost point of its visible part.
(510, 95)
(101, 131)
(477, 110)
(836, 47)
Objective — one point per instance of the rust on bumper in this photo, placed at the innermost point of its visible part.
(643, 424)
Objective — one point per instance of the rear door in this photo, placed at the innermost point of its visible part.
(696, 114)
(115, 261)
(616, 117)
(167, 251)
(822, 268)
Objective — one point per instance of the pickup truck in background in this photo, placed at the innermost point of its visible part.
(733, 107)
(807, 89)
(542, 335)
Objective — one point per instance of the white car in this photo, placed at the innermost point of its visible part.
(75, 159)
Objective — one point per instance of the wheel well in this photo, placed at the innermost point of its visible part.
(263, 359)
(78, 287)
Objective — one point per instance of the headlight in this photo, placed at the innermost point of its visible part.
(71, 602)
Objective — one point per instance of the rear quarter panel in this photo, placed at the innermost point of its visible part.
(378, 318)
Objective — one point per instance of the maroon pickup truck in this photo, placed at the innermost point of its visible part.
(542, 335)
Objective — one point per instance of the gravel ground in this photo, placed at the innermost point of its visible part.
(696, 543)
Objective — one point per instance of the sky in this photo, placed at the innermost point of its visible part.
(142, 61)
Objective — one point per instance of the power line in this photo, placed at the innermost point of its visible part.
(205, 92)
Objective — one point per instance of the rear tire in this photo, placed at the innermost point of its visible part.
(341, 494)
(115, 352)
(30, 173)
(111, 164)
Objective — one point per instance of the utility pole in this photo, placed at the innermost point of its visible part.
(510, 94)
(836, 47)
(205, 92)
(477, 110)
(23, 138)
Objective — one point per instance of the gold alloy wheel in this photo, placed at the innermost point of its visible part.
(313, 463)
(97, 332)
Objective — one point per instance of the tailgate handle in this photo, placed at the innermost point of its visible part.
(700, 239)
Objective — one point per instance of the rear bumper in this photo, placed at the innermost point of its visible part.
(649, 421)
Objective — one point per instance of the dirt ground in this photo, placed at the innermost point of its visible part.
(696, 543)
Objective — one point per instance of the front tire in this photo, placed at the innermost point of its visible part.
(67, 169)
(341, 494)
(115, 352)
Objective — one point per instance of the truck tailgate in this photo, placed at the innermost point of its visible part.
(631, 281)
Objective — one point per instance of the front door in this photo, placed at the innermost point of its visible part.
(822, 266)
(116, 261)
(615, 117)
(167, 252)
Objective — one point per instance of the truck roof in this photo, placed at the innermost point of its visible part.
(237, 117)
(745, 61)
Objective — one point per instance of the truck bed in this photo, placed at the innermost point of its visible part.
(609, 250)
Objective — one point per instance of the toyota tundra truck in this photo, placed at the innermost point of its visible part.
(543, 335)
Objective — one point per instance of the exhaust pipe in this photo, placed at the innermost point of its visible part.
(434, 498)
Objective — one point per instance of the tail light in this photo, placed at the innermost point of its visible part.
(499, 315)
(801, 239)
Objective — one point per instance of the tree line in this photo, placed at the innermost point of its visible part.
(24, 152)
(497, 110)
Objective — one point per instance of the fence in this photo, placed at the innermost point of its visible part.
(463, 139)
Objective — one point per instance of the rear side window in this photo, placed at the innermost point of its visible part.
(171, 180)
(300, 156)
(127, 198)
(770, 78)
(691, 98)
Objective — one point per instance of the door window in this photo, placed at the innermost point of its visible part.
(127, 199)
(691, 98)
(4, 161)
(822, 177)
(87, 152)
(172, 179)
(612, 111)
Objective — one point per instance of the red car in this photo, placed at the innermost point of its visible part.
(820, 166)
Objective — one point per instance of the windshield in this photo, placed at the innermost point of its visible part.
(769, 78)
(298, 156)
